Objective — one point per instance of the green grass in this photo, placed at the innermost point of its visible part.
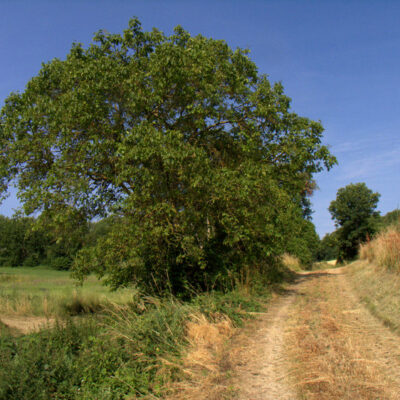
(131, 351)
(45, 292)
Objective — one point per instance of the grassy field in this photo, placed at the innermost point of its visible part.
(41, 291)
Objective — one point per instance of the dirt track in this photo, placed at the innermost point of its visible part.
(27, 325)
(318, 342)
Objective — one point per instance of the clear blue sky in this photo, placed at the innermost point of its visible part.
(338, 60)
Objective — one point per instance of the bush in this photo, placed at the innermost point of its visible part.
(60, 263)
(78, 305)
(88, 360)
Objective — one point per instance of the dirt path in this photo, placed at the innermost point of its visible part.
(318, 342)
(263, 367)
(27, 324)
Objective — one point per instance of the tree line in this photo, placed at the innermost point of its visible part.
(25, 242)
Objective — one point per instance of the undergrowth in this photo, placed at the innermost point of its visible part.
(125, 352)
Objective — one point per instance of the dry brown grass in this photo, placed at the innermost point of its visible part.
(206, 362)
(334, 346)
(291, 262)
(17, 306)
(379, 290)
(384, 250)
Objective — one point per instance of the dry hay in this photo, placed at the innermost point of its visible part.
(206, 360)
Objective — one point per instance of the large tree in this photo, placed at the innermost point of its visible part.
(354, 214)
(180, 136)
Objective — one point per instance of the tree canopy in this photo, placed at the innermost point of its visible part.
(354, 213)
(180, 136)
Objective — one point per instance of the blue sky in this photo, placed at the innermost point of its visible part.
(338, 60)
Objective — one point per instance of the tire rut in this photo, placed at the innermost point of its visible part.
(263, 371)
(318, 342)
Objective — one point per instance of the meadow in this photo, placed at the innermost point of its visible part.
(41, 291)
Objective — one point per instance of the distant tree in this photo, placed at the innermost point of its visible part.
(328, 247)
(390, 218)
(354, 214)
(303, 242)
(65, 236)
(21, 243)
(98, 230)
(199, 155)
(26, 241)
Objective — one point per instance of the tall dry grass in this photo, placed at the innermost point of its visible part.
(384, 250)
(291, 262)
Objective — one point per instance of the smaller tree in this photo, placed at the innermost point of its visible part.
(354, 214)
(303, 242)
(328, 247)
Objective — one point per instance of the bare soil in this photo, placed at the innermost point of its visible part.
(263, 369)
(317, 342)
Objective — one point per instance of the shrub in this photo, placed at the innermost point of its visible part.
(80, 304)
(60, 263)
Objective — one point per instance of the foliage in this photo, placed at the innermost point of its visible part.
(30, 242)
(98, 229)
(303, 242)
(328, 247)
(20, 243)
(198, 155)
(354, 213)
